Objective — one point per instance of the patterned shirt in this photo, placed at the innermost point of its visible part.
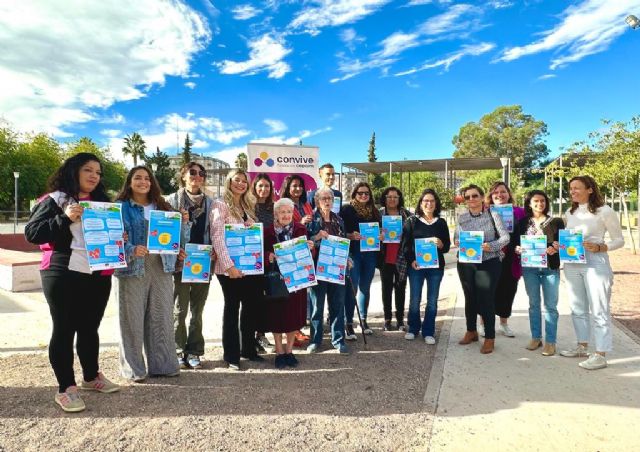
(483, 222)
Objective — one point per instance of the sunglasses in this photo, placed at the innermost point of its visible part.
(362, 193)
(473, 196)
(195, 172)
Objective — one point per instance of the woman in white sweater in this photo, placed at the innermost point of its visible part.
(589, 285)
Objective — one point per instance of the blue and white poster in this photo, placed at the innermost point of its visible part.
(103, 228)
(427, 253)
(332, 260)
(163, 236)
(571, 246)
(244, 244)
(533, 251)
(197, 263)
(337, 205)
(370, 236)
(295, 264)
(471, 247)
(392, 228)
(506, 213)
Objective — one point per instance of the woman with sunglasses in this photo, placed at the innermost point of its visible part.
(499, 194)
(76, 296)
(191, 297)
(236, 207)
(479, 280)
(361, 210)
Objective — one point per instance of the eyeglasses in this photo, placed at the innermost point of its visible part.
(325, 198)
(362, 193)
(428, 201)
(473, 196)
(195, 172)
(392, 197)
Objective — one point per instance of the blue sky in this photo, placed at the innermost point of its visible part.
(327, 72)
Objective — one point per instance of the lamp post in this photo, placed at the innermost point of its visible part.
(154, 168)
(16, 175)
(506, 169)
(632, 21)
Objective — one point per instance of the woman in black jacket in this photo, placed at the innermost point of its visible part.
(546, 276)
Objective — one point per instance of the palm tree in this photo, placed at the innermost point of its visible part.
(241, 161)
(134, 146)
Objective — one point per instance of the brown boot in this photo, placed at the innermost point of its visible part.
(469, 337)
(487, 347)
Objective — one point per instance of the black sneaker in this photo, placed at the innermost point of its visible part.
(255, 358)
(388, 326)
(365, 328)
(350, 334)
(401, 326)
(290, 360)
(281, 361)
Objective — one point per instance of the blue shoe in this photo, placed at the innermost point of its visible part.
(343, 349)
(194, 361)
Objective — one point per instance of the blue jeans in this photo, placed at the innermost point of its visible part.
(416, 281)
(364, 267)
(549, 281)
(335, 296)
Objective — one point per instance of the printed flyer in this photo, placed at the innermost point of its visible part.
(244, 244)
(427, 253)
(163, 236)
(370, 240)
(337, 205)
(102, 227)
(295, 263)
(197, 264)
(471, 247)
(571, 246)
(506, 213)
(392, 228)
(534, 251)
(332, 260)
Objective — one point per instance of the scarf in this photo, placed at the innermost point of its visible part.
(194, 204)
(364, 211)
(283, 233)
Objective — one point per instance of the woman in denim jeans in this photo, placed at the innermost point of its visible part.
(537, 222)
(426, 223)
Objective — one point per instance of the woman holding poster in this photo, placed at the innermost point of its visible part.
(361, 210)
(145, 292)
(500, 200)
(479, 279)
(543, 273)
(237, 207)
(55, 224)
(285, 317)
(429, 266)
(589, 284)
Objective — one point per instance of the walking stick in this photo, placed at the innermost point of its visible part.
(355, 297)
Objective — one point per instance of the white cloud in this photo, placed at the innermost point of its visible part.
(397, 43)
(267, 54)
(190, 85)
(275, 125)
(587, 28)
(547, 76)
(451, 20)
(245, 12)
(58, 69)
(111, 132)
(351, 68)
(412, 85)
(500, 4)
(115, 118)
(424, 2)
(467, 50)
(350, 38)
(331, 13)
(229, 155)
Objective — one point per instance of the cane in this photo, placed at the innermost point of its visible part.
(355, 296)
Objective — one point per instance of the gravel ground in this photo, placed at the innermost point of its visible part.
(625, 302)
(370, 400)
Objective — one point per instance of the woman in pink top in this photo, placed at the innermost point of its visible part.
(236, 207)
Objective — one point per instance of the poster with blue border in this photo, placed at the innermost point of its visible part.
(370, 236)
(571, 246)
(197, 263)
(163, 236)
(427, 253)
(506, 213)
(295, 263)
(533, 251)
(332, 259)
(244, 244)
(337, 205)
(471, 247)
(392, 228)
(102, 227)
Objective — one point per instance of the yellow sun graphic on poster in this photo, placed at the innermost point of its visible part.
(426, 257)
(392, 234)
(371, 241)
(572, 251)
(164, 238)
(196, 269)
(471, 252)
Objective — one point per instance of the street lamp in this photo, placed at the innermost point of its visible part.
(506, 169)
(154, 167)
(16, 175)
(632, 21)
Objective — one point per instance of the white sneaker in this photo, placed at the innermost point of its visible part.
(506, 331)
(70, 401)
(480, 329)
(579, 351)
(409, 336)
(430, 340)
(595, 361)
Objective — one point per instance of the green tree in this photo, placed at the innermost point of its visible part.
(375, 180)
(241, 161)
(505, 132)
(186, 150)
(38, 157)
(134, 146)
(9, 144)
(114, 172)
(164, 174)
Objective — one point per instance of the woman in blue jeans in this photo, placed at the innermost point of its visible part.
(547, 278)
(425, 224)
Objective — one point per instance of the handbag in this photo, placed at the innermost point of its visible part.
(275, 288)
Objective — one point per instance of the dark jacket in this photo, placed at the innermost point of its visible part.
(551, 228)
(416, 229)
(352, 221)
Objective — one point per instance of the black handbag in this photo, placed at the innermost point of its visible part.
(275, 289)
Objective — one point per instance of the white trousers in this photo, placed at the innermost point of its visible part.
(589, 292)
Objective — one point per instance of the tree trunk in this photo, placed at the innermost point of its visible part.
(626, 215)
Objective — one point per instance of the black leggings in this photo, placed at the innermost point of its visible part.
(390, 284)
(506, 288)
(76, 302)
(479, 285)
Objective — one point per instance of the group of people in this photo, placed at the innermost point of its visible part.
(154, 301)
